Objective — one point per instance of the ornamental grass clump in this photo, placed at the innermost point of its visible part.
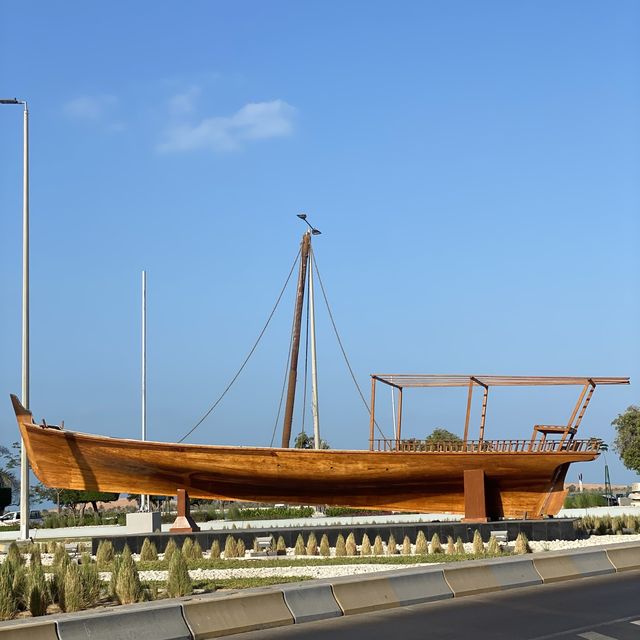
(281, 545)
(14, 557)
(451, 546)
(378, 549)
(148, 553)
(341, 547)
(422, 548)
(436, 546)
(105, 553)
(178, 582)
(300, 549)
(73, 600)
(406, 546)
(215, 549)
(187, 547)
(493, 548)
(365, 547)
(8, 601)
(522, 545)
(36, 557)
(312, 545)
(37, 591)
(240, 549)
(478, 545)
(91, 584)
(325, 549)
(170, 549)
(392, 547)
(128, 588)
(459, 546)
(350, 545)
(230, 548)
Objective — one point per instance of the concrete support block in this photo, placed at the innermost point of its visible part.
(624, 557)
(28, 630)
(249, 611)
(557, 566)
(142, 522)
(480, 577)
(137, 623)
(308, 602)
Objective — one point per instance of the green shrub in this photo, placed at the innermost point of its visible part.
(8, 603)
(104, 553)
(325, 550)
(178, 582)
(91, 584)
(300, 549)
(38, 592)
(350, 545)
(422, 548)
(365, 547)
(392, 547)
(522, 545)
(128, 588)
(14, 557)
(312, 545)
(341, 547)
(215, 548)
(230, 548)
(73, 599)
(436, 546)
(378, 549)
(478, 545)
(170, 549)
(148, 553)
(187, 548)
(451, 546)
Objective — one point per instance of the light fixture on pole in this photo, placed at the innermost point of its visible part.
(314, 231)
(24, 462)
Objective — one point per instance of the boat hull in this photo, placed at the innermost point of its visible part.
(517, 485)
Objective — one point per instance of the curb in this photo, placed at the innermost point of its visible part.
(221, 614)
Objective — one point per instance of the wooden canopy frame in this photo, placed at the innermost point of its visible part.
(404, 381)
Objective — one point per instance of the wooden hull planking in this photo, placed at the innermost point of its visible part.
(521, 484)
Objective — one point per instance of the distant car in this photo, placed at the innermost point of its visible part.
(13, 517)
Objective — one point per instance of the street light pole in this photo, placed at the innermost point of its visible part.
(24, 461)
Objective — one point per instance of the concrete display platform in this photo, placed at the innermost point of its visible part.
(551, 529)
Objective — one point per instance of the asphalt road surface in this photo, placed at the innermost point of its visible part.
(602, 608)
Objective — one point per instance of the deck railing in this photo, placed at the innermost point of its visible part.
(489, 446)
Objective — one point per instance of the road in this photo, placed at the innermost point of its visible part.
(602, 608)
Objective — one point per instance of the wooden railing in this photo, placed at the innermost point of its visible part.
(488, 446)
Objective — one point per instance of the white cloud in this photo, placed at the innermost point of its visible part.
(90, 107)
(254, 121)
(184, 103)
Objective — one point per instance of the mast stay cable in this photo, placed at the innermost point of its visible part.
(242, 366)
(335, 330)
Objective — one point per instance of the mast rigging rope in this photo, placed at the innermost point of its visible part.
(242, 366)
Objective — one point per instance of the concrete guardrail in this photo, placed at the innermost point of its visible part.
(222, 614)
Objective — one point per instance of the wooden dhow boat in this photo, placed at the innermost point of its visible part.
(484, 479)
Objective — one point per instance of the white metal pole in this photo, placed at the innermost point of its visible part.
(314, 363)
(24, 461)
(144, 499)
(393, 412)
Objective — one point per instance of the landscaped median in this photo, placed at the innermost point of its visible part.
(221, 614)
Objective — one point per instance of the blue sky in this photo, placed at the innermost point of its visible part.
(473, 168)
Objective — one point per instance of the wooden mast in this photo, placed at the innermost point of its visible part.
(295, 344)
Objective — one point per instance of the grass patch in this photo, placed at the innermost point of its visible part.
(228, 583)
(306, 561)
